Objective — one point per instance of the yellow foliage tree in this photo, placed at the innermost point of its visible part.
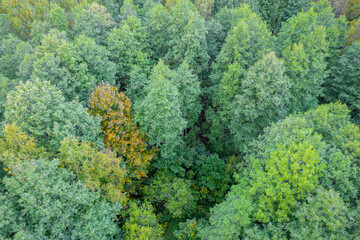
(16, 145)
(352, 10)
(101, 171)
(121, 134)
(22, 13)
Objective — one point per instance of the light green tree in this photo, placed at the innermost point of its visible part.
(142, 223)
(74, 67)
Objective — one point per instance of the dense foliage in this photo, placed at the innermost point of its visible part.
(180, 119)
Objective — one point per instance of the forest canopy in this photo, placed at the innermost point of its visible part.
(180, 119)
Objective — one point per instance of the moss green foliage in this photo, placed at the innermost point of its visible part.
(100, 171)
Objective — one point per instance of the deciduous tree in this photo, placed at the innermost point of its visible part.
(121, 133)
(40, 200)
(40, 110)
(159, 114)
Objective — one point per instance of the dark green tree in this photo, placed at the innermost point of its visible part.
(343, 83)
(177, 33)
(159, 114)
(263, 99)
(188, 85)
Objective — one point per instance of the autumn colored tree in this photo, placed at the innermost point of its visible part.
(17, 146)
(101, 171)
(22, 13)
(352, 10)
(121, 133)
(205, 7)
(354, 32)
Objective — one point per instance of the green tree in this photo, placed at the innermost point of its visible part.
(92, 20)
(248, 40)
(210, 175)
(276, 11)
(5, 28)
(229, 218)
(291, 172)
(142, 223)
(6, 85)
(40, 200)
(177, 33)
(344, 79)
(189, 230)
(324, 215)
(172, 193)
(275, 196)
(12, 52)
(245, 44)
(101, 171)
(41, 111)
(320, 14)
(73, 67)
(263, 99)
(128, 49)
(305, 65)
(159, 114)
(188, 85)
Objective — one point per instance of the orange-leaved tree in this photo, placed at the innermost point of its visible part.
(121, 133)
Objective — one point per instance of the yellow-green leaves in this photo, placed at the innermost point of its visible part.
(291, 172)
(101, 171)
